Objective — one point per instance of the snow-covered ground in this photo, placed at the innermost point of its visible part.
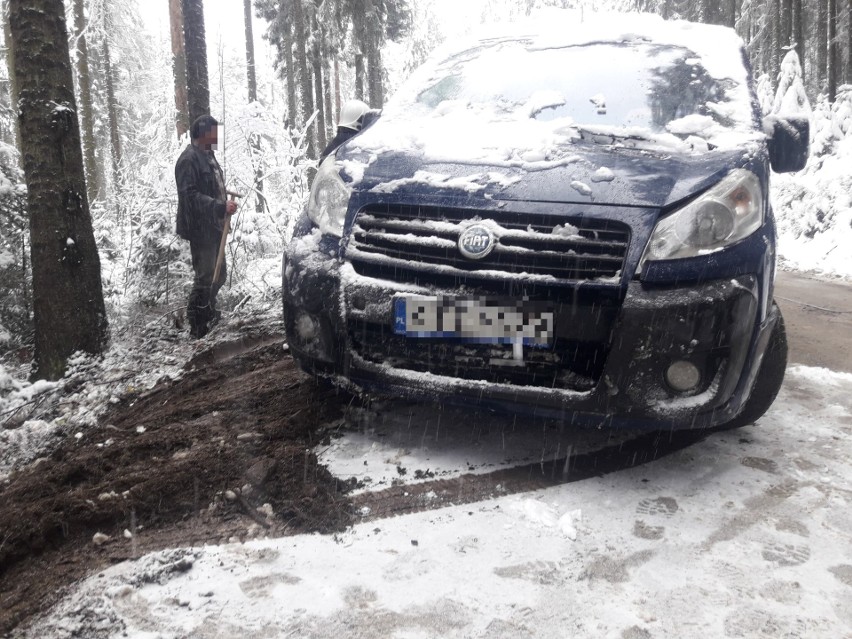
(746, 534)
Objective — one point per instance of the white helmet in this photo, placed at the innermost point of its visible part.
(351, 113)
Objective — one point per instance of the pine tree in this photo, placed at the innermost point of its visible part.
(68, 305)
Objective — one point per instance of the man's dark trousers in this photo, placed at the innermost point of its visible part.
(201, 307)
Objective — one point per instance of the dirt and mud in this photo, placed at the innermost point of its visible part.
(187, 463)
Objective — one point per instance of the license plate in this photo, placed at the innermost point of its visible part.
(474, 320)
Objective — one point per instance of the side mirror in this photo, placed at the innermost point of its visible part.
(788, 143)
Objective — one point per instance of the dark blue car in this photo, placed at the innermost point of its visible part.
(574, 224)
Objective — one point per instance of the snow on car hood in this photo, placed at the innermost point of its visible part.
(591, 173)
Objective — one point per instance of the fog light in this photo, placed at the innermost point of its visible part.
(311, 335)
(307, 327)
(683, 376)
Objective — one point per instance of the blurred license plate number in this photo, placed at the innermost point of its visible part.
(474, 320)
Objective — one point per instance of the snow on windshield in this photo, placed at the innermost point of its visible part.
(622, 80)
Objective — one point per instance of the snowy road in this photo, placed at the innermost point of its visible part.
(743, 534)
(818, 315)
(746, 534)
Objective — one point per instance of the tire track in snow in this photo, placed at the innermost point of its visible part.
(470, 488)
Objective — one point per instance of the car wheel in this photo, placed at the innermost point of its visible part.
(769, 378)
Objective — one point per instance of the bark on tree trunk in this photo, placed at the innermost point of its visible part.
(327, 73)
(112, 108)
(84, 78)
(849, 46)
(799, 34)
(786, 22)
(197, 82)
(68, 305)
(777, 38)
(250, 69)
(833, 55)
(336, 89)
(821, 47)
(304, 75)
(359, 76)
(251, 78)
(13, 84)
(179, 67)
(731, 14)
(316, 65)
(292, 104)
(375, 72)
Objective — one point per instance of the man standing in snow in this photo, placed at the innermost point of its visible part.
(202, 207)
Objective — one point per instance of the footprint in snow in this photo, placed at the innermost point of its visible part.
(786, 554)
(665, 506)
(646, 531)
(759, 463)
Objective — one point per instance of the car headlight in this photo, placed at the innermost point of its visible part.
(329, 200)
(728, 212)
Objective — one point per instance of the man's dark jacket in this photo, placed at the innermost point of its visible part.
(201, 207)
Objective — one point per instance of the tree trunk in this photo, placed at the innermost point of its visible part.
(359, 76)
(300, 32)
(251, 78)
(197, 82)
(336, 88)
(68, 304)
(798, 35)
(13, 84)
(326, 59)
(179, 67)
(730, 18)
(375, 72)
(818, 78)
(316, 64)
(292, 104)
(849, 46)
(250, 68)
(777, 37)
(786, 22)
(833, 55)
(112, 107)
(93, 180)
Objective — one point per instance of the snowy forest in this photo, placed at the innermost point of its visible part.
(158, 483)
(135, 93)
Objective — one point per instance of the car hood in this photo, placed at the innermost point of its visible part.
(581, 172)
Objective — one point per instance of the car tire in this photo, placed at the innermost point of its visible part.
(769, 377)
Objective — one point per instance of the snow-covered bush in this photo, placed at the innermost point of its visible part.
(765, 94)
(790, 97)
(832, 121)
(814, 207)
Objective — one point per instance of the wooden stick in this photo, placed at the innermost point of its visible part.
(220, 257)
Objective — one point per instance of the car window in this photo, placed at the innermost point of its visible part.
(650, 86)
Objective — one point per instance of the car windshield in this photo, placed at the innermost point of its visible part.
(636, 86)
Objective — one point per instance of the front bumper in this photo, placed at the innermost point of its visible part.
(341, 324)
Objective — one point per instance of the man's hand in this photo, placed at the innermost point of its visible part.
(230, 207)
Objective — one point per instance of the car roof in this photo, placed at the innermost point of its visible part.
(718, 48)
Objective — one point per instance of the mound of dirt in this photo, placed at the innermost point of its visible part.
(223, 454)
